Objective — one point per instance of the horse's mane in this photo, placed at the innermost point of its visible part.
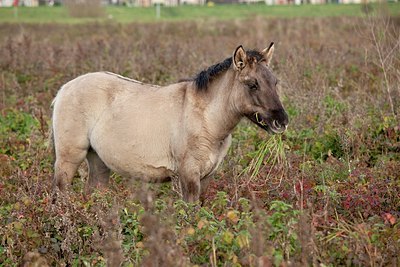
(203, 78)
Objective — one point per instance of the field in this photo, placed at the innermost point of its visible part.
(324, 193)
(220, 12)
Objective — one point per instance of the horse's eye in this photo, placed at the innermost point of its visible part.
(253, 86)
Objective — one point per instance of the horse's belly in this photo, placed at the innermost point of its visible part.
(137, 145)
(145, 158)
(143, 171)
(136, 166)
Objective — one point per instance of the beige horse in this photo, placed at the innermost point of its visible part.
(154, 133)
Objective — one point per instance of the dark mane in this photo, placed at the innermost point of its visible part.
(203, 79)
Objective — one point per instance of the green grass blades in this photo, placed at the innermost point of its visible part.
(271, 152)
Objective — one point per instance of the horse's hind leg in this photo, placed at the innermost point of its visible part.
(70, 150)
(67, 162)
(99, 173)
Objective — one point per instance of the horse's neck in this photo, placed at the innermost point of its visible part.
(219, 112)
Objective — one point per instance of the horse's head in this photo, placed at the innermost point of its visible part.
(256, 93)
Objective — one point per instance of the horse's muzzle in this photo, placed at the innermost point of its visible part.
(276, 121)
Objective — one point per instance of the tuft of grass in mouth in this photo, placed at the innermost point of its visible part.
(260, 121)
(272, 152)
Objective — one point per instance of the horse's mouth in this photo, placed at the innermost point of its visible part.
(269, 125)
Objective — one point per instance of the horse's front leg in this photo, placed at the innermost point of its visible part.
(189, 178)
(190, 188)
(222, 151)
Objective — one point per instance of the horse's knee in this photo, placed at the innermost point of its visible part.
(190, 189)
(204, 184)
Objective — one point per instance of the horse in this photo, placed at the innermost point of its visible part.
(155, 133)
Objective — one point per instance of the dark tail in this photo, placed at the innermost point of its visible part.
(51, 146)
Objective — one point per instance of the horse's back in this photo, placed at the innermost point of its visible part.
(88, 96)
(92, 89)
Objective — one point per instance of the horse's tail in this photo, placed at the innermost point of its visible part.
(51, 148)
(51, 145)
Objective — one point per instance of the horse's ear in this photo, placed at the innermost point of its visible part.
(239, 58)
(268, 52)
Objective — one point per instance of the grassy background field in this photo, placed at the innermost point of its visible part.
(325, 193)
(221, 12)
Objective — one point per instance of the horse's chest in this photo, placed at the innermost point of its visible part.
(215, 157)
